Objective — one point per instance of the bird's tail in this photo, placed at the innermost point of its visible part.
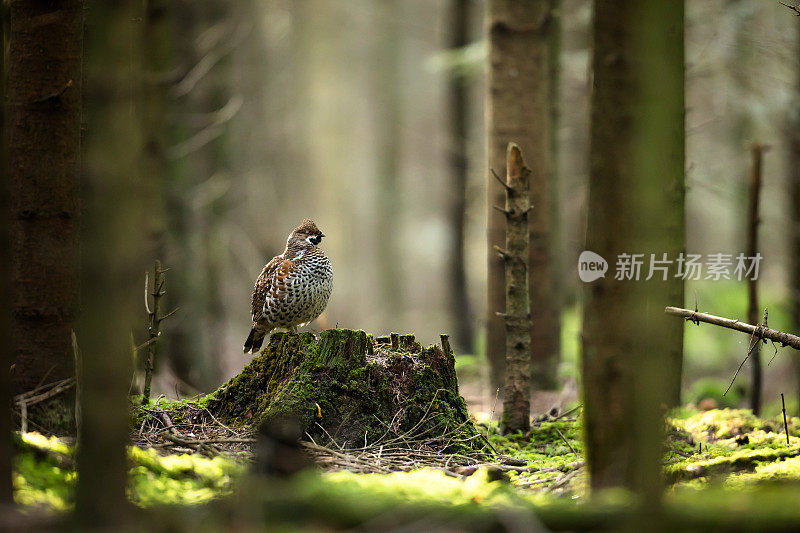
(254, 340)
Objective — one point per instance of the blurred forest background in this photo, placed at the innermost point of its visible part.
(218, 126)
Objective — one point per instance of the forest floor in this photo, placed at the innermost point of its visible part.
(724, 460)
(727, 449)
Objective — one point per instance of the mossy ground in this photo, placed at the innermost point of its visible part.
(719, 482)
(45, 475)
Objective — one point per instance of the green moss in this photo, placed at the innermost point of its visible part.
(728, 445)
(44, 475)
(719, 424)
(725, 464)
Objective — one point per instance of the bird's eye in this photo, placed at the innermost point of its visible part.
(314, 239)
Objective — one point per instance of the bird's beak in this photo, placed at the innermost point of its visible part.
(321, 234)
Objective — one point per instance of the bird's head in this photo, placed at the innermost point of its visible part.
(306, 233)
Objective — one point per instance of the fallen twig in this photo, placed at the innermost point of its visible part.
(43, 393)
(563, 480)
(536, 482)
(566, 441)
(785, 425)
(567, 413)
(199, 442)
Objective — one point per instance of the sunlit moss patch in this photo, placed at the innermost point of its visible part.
(44, 475)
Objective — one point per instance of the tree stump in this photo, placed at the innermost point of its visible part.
(349, 387)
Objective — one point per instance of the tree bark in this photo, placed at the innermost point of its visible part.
(387, 93)
(44, 103)
(459, 130)
(793, 181)
(7, 346)
(517, 111)
(517, 400)
(757, 151)
(632, 364)
(546, 344)
(195, 247)
(157, 63)
(116, 248)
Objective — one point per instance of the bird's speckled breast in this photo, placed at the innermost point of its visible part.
(307, 292)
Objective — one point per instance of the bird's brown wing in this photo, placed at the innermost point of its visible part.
(263, 286)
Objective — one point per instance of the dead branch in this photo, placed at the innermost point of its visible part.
(516, 408)
(78, 361)
(566, 441)
(796, 8)
(43, 393)
(154, 325)
(760, 332)
(499, 179)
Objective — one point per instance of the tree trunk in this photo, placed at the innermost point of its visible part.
(387, 87)
(517, 400)
(518, 111)
(44, 93)
(459, 130)
(793, 169)
(547, 355)
(157, 66)
(199, 157)
(116, 249)
(7, 346)
(632, 354)
(753, 312)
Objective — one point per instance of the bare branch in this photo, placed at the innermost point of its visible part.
(566, 441)
(499, 179)
(43, 393)
(153, 329)
(503, 254)
(169, 314)
(147, 288)
(796, 8)
(785, 339)
(502, 210)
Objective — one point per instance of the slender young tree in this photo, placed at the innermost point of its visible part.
(632, 353)
(459, 128)
(44, 104)
(518, 111)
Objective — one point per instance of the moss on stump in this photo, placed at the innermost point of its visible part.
(347, 386)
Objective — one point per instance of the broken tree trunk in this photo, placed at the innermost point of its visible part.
(517, 398)
(348, 387)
